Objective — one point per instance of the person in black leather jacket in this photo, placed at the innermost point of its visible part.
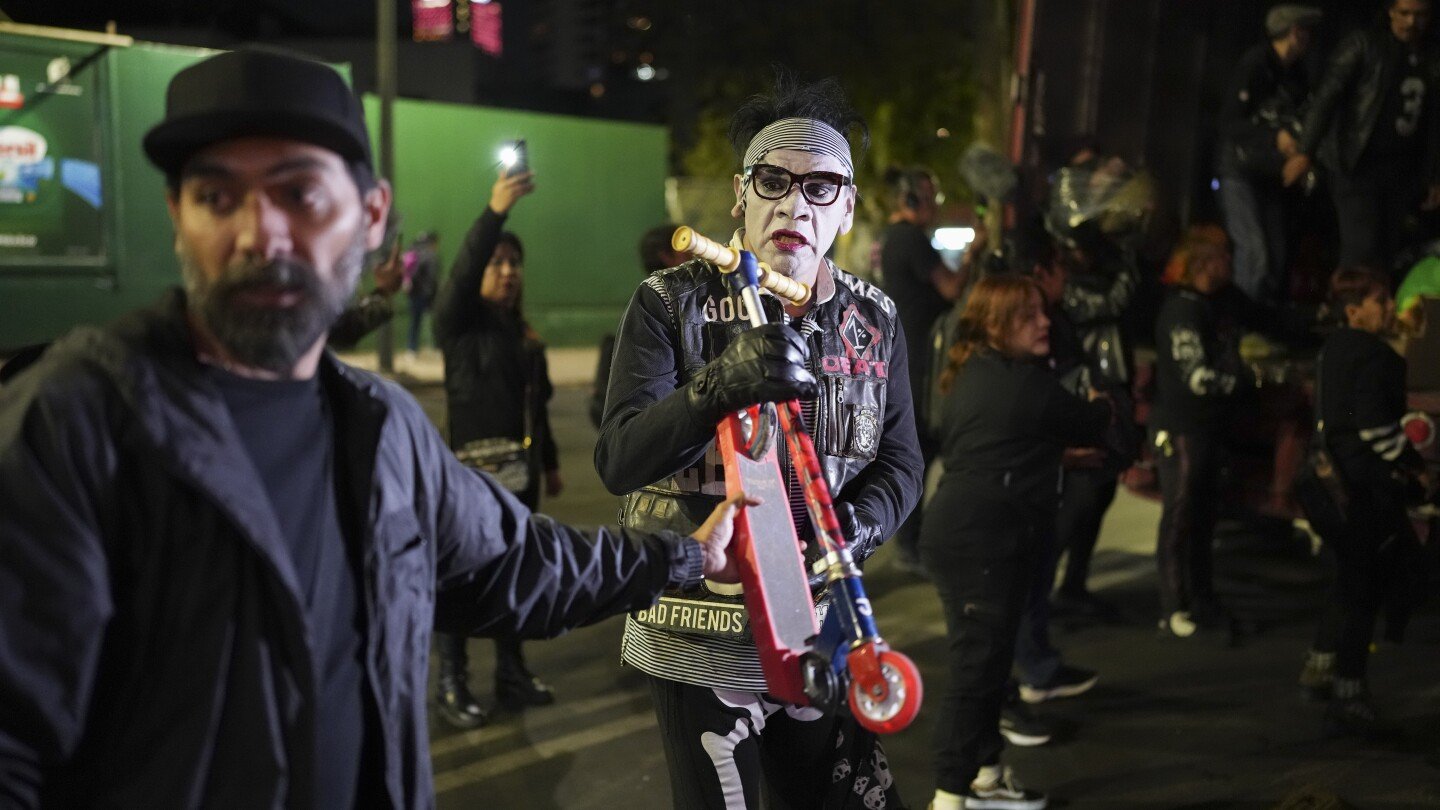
(1373, 124)
(497, 385)
(224, 549)
(842, 354)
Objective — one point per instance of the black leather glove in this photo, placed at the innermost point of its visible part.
(761, 365)
(861, 538)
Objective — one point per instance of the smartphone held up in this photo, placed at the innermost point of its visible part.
(515, 158)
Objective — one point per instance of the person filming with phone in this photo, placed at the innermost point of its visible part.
(497, 388)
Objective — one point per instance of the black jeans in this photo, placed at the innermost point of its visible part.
(1086, 497)
(1364, 554)
(1371, 205)
(907, 537)
(983, 598)
(1035, 657)
(1189, 468)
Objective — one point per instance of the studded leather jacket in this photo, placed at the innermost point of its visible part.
(665, 462)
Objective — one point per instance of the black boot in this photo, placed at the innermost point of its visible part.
(515, 685)
(1350, 713)
(457, 706)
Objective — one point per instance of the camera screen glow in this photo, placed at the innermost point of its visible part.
(953, 238)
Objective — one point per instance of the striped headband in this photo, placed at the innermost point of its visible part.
(805, 134)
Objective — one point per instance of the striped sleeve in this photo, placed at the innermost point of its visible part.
(1387, 441)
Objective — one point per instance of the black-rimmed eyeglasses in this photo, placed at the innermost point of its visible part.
(774, 183)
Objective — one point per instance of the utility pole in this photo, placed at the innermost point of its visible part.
(385, 73)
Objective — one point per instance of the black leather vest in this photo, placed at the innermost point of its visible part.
(850, 355)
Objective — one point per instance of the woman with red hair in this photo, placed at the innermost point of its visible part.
(1006, 420)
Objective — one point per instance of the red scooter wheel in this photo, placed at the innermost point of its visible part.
(895, 709)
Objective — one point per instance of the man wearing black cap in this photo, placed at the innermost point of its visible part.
(1259, 125)
(1374, 126)
(224, 549)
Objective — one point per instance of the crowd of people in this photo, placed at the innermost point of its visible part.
(226, 551)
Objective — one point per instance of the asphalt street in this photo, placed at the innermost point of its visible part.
(1177, 724)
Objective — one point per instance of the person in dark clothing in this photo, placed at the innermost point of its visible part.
(224, 549)
(421, 280)
(1043, 673)
(726, 740)
(1197, 371)
(1259, 124)
(1373, 124)
(656, 254)
(1007, 422)
(497, 386)
(1361, 403)
(1100, 279)
(923, 288)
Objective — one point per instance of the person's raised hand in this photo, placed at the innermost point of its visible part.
(390, 273)
(508, 190)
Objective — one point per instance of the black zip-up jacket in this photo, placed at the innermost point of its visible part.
(153, 643)
(488, 358)
(652, 447)
(1362, 401)
(1346, 105)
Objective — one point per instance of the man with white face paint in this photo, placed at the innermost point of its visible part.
(684, 357)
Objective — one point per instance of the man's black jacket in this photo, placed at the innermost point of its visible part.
(153, 644)
(1346, 105)
(1265, 96)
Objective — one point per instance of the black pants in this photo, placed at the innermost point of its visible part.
(983, 598)
(1364, 553)
(509, 659)
(727, 749)
(1087, 495)
(1189, 468)
(1035, 657)
(1371, 205)
(907, 537)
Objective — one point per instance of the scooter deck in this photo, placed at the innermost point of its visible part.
(772, 568)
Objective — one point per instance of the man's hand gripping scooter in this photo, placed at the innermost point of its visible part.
(803, 663)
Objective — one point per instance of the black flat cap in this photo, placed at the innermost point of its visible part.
(257, 92)
(1280, 19)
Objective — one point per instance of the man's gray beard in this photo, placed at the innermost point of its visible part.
(269, 338)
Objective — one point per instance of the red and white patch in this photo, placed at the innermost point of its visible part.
(857, 333)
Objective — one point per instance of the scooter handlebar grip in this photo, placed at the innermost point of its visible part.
(686, 240)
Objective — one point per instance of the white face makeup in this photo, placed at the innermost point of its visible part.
(792, 234)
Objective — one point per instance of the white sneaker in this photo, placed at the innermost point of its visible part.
(1004, 794)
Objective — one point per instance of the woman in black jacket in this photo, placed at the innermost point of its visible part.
(1006, 421)
(497, 387)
